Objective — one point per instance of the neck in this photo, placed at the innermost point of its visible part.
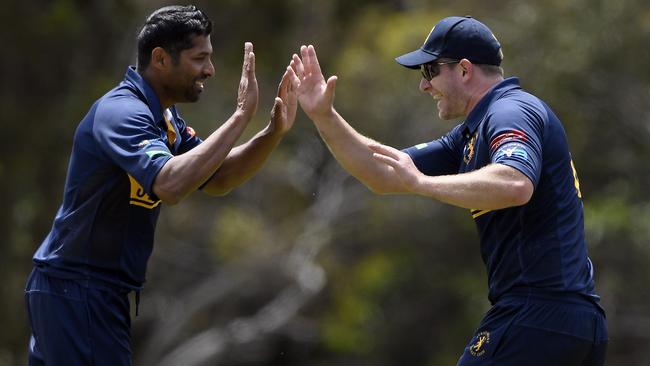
(154, 81)
(482, 87)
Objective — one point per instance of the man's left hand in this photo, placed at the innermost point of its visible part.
(286, 102)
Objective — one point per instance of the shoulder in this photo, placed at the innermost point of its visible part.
(518, 106)
(120, 106)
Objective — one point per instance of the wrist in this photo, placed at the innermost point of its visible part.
(420, 185)
(273, 129)
(241, 116)
(324, 116)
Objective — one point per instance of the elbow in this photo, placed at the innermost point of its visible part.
(521, 192)
(382, 191)
(379, 189)
(218, 186)
(217, 191)
(170, 198)
(168, 194)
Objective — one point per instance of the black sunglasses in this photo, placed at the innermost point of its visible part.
(432, 69)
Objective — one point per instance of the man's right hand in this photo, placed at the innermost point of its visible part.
(316, 96)
(247, 96)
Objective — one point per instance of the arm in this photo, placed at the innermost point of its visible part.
(350, 148)
(245, 160)
(184, 173)
(492, 187)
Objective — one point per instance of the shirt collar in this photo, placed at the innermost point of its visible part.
(135, 79)
(496, 92)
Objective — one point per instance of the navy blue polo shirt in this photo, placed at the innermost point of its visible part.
(540, 245)
(104, 229)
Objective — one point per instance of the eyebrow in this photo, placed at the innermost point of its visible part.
(203, 53)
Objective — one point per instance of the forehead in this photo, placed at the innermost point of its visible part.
(200, 44)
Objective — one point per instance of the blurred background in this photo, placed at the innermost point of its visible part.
(303, 265)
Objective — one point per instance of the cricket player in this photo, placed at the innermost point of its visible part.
(508, 163)
(132, 152)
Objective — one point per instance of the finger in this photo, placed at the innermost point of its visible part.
(251, 64)
(306, 61)
(297, 66)
(384, 150)
(293, 83)
(276, 111)
(283, 86)
(313, 59)
(331, 87)
(249, 59)
(293, 79)
(386, 160)
(303, 54)
(248, 47)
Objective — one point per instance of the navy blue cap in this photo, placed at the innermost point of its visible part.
(456, 38)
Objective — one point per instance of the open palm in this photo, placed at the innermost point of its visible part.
(248, 93)
(316, 96)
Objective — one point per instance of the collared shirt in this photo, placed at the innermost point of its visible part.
(104, 229)
(540, 245)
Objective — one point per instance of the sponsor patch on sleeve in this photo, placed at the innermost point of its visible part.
(148, 144)
(153, 147)
(152, 153)
(511, 150)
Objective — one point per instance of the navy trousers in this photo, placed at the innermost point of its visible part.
(75, 323)
(539, 330)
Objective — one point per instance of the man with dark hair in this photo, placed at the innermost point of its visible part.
(131, 152)
(509, 164)
(171, 28)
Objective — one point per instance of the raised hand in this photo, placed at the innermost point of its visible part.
(284, 109)
(316, 96)
(248, 94)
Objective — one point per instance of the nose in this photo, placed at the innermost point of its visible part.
(209, 69)
(425, 85)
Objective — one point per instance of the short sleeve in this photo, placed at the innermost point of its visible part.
(515, 134)
(438, 157)
(189, 139)
(128, 134)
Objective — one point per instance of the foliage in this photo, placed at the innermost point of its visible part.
(303, 265)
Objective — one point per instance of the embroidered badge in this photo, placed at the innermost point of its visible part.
(512, 150)
(478, 347)
(509, 136)
(468, 151)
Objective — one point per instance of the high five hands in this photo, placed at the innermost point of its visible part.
(316, 98)
(285, 105)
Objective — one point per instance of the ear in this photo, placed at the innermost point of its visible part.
(466, 67)
(160, 59)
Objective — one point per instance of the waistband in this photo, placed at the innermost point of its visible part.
(537, 294)
(89, 282)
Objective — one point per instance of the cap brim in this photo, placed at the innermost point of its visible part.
(414, 59)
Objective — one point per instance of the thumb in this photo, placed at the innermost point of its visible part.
(331, 85)
(277, 108)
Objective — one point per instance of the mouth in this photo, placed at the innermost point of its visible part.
(437, 97)
(199, 84)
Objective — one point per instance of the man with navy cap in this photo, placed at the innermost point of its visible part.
(509, 164)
